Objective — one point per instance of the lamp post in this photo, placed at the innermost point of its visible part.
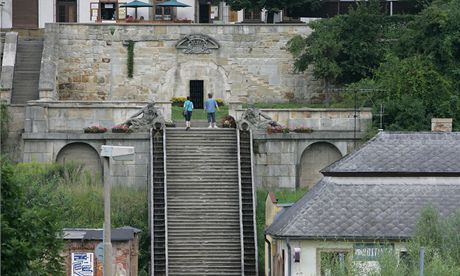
(120, 154)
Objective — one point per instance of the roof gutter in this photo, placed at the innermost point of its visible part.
(289, 256)
(339, 238)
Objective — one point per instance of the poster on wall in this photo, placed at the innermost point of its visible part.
(121, 11)
(82, 264)
(214, 12)
(94, 11)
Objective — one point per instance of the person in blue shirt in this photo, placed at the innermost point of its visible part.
(210, 106)
(188, 108)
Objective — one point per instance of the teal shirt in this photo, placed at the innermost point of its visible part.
(188, 105)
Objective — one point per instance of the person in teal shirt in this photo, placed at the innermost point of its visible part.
(210, 106)
(188, 108)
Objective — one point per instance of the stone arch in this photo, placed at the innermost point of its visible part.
(314, 158)
(82, 153)
(175, 81)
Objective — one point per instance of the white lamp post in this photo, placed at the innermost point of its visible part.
(120, 154)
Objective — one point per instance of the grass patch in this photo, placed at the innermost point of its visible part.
(291, 105)
(198, 114)
(283, 196)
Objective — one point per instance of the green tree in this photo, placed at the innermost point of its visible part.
(342, 49)
(30, 228)
(435, 35)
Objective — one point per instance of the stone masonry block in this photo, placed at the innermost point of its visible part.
(273, 158)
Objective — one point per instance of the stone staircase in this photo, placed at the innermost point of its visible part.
(208, 220)
(203, 202)
(27, 70)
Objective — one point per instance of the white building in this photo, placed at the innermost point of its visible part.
(367, 201)
(35, 13)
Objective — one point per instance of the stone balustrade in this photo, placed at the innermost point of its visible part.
(8, 63)
(318, 119)
(73, 116)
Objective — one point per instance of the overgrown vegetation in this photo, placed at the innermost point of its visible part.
(410, 65)
(439, 237)
(130, 60)
(38, 200)
(283, 196)
(4, 123)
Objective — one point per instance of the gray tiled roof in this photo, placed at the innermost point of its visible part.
(412, 153)
(366, 211)
(118, 234)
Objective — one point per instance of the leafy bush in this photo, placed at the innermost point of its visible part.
(31, 225)
(178, 100)
(220, 102)
(63, 198)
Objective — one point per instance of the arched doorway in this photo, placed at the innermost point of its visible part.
(84, 154)
(314, 158)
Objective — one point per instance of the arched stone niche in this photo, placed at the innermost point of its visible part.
(176, 81)
(82, 153)
(314, 158)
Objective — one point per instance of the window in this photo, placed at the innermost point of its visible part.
(250, 15)
(162, 13)
(334, 262)
(108, 11)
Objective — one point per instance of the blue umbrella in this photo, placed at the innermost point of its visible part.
(136, 4)
(172, 4)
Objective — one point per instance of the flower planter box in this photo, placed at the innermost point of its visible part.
(95, 129)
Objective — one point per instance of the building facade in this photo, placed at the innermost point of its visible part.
(32, 14)
(367, 202)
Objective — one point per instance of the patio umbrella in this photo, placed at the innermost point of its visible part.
(172, 4)
(136, 4)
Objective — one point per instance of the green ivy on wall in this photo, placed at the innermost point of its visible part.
(130, 61)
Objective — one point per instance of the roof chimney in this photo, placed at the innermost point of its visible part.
(441, 124)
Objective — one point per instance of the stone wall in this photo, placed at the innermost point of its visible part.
(278, 157)
(251, 62)
(13, 144)
(46, 147)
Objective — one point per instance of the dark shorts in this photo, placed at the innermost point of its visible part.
(212, 117)
(188, 116)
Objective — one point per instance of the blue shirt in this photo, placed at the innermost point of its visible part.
(210, 105)
(188, 105)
